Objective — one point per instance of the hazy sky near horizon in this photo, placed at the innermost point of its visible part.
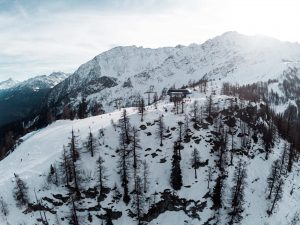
(38, 37)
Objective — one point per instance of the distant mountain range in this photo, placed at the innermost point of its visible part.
(21, 99)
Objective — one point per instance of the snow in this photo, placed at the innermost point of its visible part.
(231, 57)
(43, 81)
(32, 159)
(170, 218)
(8, 84)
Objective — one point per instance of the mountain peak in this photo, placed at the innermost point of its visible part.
(231, 34)
(44, 81)
(9, 83)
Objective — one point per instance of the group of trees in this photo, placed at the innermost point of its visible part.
(202, 85)
(285, 125)
(68, 172)
(230, 126)
(70, 168)
(280, 167)
(237, 193)
(132, 166)
(240, 123)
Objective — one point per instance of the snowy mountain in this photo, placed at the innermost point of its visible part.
(8, 84)
(42, 81)
(226, 154)
(41, 162)
(127, 72)
(26, 98)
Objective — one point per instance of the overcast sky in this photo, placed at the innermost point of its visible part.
(38, 37)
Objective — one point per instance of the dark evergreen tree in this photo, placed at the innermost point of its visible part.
(273, 177)
(237, 194)
(101, 136)
(101, 175)
(74, 220)
(209, 106)
(91, 144)
(291, 158)
(222, 150)
(134, 147)
(65, 167)
(125, 126)
(186, 125)
(20, 192)
(209, 176)
(182, 105)
(138, 202)
(73, 147)
(277, 195)
(82, 109)
(160, 130)
(74, 166)
(176, 176)
(195, 160)
(268, 139)
(284, 160)
(217, 193)
(123, 164)
(180, 124)
(52, 177)
(141, 108)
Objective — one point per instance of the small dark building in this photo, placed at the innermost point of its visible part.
(181, 93)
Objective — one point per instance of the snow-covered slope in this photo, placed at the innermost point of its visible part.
(125, 72)
(8, 84)
(32, 159)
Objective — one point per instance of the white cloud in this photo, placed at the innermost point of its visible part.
(61, 36)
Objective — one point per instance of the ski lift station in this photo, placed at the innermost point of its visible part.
(182, 93)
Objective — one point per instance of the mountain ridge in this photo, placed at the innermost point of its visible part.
(26, 98)
(229, 57)
(9, 83)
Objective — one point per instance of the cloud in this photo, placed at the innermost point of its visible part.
(41, 37)
(38, 37)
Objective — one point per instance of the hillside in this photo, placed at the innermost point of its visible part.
(127, 72)
(228, 133)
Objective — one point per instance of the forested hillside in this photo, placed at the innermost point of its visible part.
(218, 157)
